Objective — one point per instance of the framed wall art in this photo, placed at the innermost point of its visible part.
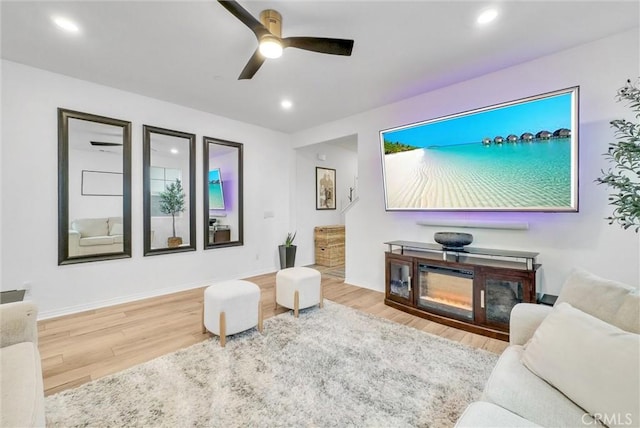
(325, 188)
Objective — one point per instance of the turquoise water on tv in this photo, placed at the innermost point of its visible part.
(535, 174)
(216, 200)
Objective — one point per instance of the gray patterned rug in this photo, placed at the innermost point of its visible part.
(332, 367)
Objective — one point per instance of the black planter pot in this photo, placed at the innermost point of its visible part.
(287, 256)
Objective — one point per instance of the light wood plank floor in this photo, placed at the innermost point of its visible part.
(78, 348)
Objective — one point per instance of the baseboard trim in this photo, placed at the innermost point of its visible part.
(362, 284)
(70, 310)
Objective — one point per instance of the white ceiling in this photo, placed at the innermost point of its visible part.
(191, 52)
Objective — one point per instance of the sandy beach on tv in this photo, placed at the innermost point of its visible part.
(475, 177)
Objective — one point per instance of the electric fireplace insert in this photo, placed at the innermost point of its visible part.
(446, 290)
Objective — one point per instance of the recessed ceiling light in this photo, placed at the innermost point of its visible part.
(66, 24)
(286, 104)
(487, 16)
(174, 151)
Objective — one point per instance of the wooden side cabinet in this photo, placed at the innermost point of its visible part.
(469, 293)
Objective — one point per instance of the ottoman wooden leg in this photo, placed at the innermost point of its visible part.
(296, 304)
(260, 317)
(204, 329)
(223, 329)
(321, 296)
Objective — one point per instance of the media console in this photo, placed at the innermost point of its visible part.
(473, 289)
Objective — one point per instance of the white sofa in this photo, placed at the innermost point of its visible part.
(21, 386)
(568, 364)
(89, 236)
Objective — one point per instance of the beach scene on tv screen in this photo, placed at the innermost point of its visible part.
(516, 156)
(216, 197)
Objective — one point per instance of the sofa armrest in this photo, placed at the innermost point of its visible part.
(525, 319)
(74, 243)
(18, 323)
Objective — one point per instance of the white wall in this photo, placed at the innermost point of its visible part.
(273, 207)
(564, 240)
(345, 162)
(30, 98)
(1, 187)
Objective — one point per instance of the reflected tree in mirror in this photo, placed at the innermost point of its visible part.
(223, 193)
(172, 202)
(94, 187)
(169, 190)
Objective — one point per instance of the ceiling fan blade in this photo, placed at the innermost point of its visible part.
(105, 144)
(255, 62)
(320, 44)
(247, 19)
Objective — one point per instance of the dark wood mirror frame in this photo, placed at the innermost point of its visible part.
(63, 186)
(205, 200)
(146, 186)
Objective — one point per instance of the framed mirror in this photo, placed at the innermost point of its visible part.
(169, 191)
(222, 200)
(94, 187)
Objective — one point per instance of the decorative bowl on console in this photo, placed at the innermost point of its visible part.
(453, 240)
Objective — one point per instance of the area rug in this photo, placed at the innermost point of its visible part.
(331, 367)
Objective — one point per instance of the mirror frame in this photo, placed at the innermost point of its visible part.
(205, 200)
(146, 189)
(63, 186)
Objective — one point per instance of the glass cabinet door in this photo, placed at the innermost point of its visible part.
(500, 296)
(399, 286)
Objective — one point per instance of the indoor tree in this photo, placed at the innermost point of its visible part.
(623, 177)
(172, 201)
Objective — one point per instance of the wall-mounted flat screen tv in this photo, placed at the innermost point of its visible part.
(216, 195)
(520, 155)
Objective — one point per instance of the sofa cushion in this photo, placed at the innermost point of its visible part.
(96, 240)
(487, 415)
(89, 227)
(115, 226)
(611, 301)
(21, 388)
(595, 364)
(116, 229)
(514, 387)
(628, 315)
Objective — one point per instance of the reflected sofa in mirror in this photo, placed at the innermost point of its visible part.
(94, 187)
(169, 191)
(222, 201)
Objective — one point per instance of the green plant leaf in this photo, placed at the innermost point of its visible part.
(625, 156)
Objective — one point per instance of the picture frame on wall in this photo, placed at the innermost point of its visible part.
(325, 188)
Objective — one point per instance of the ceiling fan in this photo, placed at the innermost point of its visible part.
(104, 144)
(268, 31)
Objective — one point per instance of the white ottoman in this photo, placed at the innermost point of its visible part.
(298, 288)
(231, 307)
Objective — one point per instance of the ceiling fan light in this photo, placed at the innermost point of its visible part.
(270, 48)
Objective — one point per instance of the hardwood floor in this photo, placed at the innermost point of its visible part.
(78, 348)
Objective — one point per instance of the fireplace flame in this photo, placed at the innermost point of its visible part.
(453, 300)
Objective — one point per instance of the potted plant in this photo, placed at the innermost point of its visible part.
(288, 252)
(172, 202)
(624, 176)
